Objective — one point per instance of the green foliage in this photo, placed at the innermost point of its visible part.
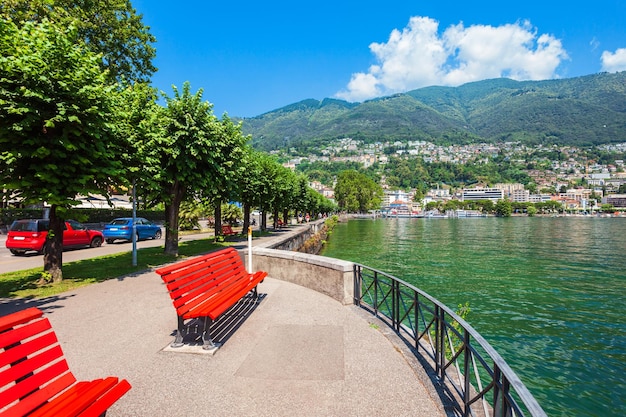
(355, 192)
(564, 111)
(607, 208)
(504, 208)
(57, 138)
(189, 215)
(187, 153)
(111, 28)
(231, 213)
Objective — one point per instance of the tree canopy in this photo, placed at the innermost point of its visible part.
(357, 192)
(57, 111)
(189, 154)
(108, 27)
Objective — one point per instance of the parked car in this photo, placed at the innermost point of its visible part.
(30, 235)
(122, 228)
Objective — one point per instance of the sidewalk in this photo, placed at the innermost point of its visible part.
(296, 353)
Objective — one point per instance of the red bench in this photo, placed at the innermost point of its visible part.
(227, 230)
(203, 288)
(35, 379)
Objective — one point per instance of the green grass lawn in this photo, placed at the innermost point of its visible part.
(24, 284)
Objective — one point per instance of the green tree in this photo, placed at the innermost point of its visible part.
(607, 208)
(504, 208)
(282, 192)
(138, 123)
(231, 213)
(355, 191)
(189, 154)
(251, 184)
(268, 184)
(108, 27)
(58, 135)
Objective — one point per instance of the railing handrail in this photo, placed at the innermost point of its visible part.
(510, 380)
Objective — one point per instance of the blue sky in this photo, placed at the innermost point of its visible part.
(251, 57)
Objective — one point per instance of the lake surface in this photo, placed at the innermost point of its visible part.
(548, 293)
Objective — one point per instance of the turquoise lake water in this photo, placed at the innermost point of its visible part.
(548, 293)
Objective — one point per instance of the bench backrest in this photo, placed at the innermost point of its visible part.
(190, 282)
(31, 361)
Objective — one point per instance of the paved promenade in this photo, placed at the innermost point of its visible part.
(295, 353)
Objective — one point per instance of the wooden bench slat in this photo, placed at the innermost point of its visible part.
(181, 287)
(39, 397)
(191, 271)
(30, 365)
(23, 350)
(229, 300)
(200, 295)
(205, 265)
(202, 260)
(54, 405)
(209, 281)
(19, 317)
(76, 399)
(107, 400)
(34, 382)
(216, 297)
(17, 334)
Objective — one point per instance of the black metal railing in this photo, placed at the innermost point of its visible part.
(479, 381)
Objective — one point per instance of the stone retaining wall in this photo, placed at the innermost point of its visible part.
(278, 258)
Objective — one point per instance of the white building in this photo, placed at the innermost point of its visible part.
(473, 194)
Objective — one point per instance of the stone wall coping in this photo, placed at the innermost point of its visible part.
(318, 260)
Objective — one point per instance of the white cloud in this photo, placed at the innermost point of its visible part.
(419, 56)
(614, 62)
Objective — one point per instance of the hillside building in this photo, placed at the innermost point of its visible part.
(473, 194)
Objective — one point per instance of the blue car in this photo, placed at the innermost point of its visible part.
(122, 228)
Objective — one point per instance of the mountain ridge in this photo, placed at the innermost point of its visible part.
(580, 111)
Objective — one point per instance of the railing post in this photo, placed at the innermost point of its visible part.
(375, 293)
(497, 400)
(440, 351)
(467, 357)
(395, 304)
(506, 406)
(357, 284)
(416, 314)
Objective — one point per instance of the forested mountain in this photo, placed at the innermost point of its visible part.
(580, 111)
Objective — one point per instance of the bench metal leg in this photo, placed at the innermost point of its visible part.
(207, 342)
(200, 326)
(180, 333)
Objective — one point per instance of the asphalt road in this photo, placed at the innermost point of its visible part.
(10, 262)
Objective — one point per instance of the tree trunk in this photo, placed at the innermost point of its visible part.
(263, 220)
(275, 218)
(53, 248)
(218, 218)
(286, 217)
(246, 218)
(171, 219)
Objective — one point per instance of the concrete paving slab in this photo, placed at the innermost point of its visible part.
(297, 352)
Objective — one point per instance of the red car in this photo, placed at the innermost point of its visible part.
(30, 235)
